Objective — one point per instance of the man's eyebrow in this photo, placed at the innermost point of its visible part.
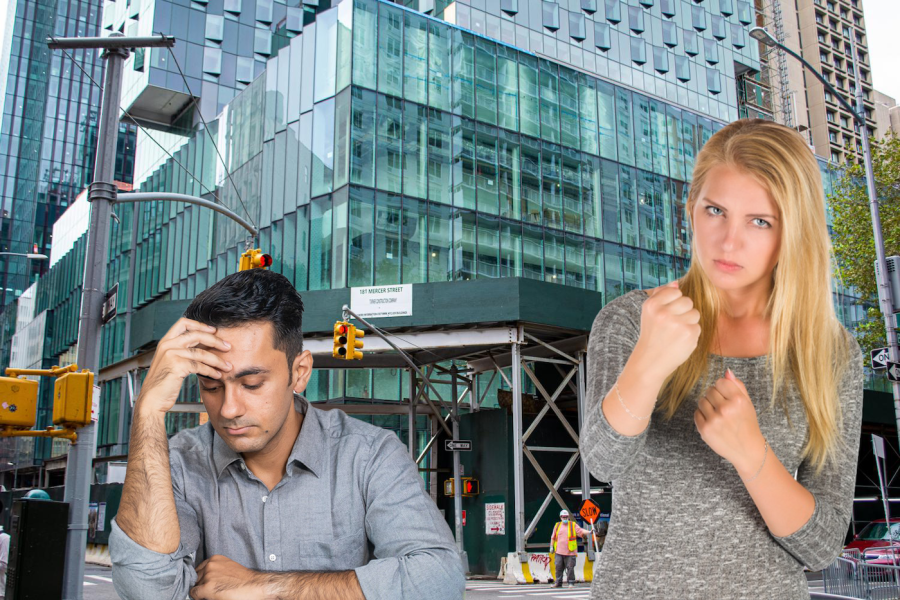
(245, 373)
(719, 206)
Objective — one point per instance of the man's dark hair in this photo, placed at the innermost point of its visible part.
(254, 296)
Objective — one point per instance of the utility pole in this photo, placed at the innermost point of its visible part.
(101, 195)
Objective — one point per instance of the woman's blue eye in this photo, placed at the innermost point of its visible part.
(712, 208)
(762, 223)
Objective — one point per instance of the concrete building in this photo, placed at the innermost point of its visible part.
(887, 115)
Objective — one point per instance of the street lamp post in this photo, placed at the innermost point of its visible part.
(859, 115)
(29, 255)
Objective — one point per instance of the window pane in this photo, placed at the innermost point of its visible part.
(389, 144)
(659, 131)
(574, 260)
(615, 284)
(532, 252)
(573, 214)
(440, 267)
(630, 267)
(587, 114)
(323, 147)
(531, 180)
(628, 198)
(624, 126)
(415, 58)
(326, 54)
(342, 139)
(606, 120)
(413, 231)
(609, 184)
(568, 107)
(508, 93)
(551, 188)
(593, 265)
(464, 245)
(509, 175)
(644, 159)
(364, 43)
(664, 218)
(320, 244)
(301, 275)
(439, 66)
(463, 74)
(464, 164)
(387, 239)
(414, 147)
(549, 102)
(590, 196)
(339, 239)
(528, 92)
(390, 48)
(362, 133)
(488, 246)
(440, 181)
(510, 249)
(486, 81)
(676, 147)
(362, 234)
(343, 70)
(646, 210)
(554, 257)
(486, 174)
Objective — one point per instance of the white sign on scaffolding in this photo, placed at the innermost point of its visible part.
(382, 301)
(495, 518)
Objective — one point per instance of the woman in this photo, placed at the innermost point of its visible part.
(707, 395)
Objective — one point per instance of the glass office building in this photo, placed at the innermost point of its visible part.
(49, 130)
(377, 145)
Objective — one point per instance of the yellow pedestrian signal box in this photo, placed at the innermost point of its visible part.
(347, 341)
(254, 259)
(18, 402)
(470, 487)
(73, 397)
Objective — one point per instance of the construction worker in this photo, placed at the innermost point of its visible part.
(564, 544)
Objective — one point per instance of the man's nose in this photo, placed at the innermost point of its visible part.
(232, 406)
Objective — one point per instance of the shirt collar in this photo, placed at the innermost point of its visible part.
(308, 448)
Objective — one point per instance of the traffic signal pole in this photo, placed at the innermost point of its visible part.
(102, 193)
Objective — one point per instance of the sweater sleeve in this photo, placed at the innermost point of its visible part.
(614, 334)
(820, 540)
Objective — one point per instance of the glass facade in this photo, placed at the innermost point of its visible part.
(48, 133)
(376, 145)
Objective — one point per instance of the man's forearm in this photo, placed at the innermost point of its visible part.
(311, 585)
(147, 511)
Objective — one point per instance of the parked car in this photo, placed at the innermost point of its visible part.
(875, 534)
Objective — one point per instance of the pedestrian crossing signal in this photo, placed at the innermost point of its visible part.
(254, 259)
(470, 487)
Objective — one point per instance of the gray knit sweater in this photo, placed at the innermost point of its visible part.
(683, 525)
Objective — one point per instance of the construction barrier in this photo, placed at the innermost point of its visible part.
(540, 568)
(97, 554)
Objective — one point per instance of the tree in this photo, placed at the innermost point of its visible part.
(854, 242)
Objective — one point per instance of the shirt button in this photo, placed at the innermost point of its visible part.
(243, 466)
(272, 557)
(265, 498)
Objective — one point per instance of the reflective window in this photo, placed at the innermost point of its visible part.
(387, 238)
(646, 201)
(643, 155)
(414, 236)
(486, 81)
(388, 145)
(440, 181)
(320, 244)
(602, 37)
(362, 137)
(658, 133)
(660, 60)
(577, 26)
(718, 27)
(323, 147)
(509, 175)
(575, 261)
(440, 267)
(606, 120)
(463, 74)
(636, 19)
(549, 101)
(415, 58)
(676, 147)
(682, 68)
(531, 180)
(532, 252)
(486, 170)
(550, 12)
(529, 95)
(587, 114)
(364, 43)
(568, 107)
(488, 246)
(628, 199)
(613, 11)
(669, 33)
(590, 196)
(439, 66)
(464, 245)
(507, 90)
(415, 144)
(698, 18)
(638, 50)
(554, 257)
(464, 164)
(390, 49)
(342, 139)
(667, 7)
(573, 212)
(510, 249)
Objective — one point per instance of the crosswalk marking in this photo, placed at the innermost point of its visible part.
(89, 583)
(100, 577)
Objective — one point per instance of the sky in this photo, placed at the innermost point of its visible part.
(882, 18)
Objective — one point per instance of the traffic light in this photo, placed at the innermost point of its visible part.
(18, 402)
(73, 396)
(254, 259)
(341, 339)
(470, 487)
(355, 343)
(347, 341)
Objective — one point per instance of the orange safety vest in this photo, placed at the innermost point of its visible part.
(573, 541)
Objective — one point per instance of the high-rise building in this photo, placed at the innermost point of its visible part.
(823, 33)
(887, 115)
(48, 132)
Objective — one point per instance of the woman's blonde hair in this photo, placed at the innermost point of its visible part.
(807, 344)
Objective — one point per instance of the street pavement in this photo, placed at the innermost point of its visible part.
(98, 586)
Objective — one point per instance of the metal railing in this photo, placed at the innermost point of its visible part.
(852, 576)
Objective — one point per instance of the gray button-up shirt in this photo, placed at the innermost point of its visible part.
(351, 498)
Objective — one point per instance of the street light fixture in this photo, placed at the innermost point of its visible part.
(28, 255)
(859, 115)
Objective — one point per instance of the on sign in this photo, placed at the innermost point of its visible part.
(589, 511)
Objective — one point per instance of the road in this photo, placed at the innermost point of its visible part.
(98, 586)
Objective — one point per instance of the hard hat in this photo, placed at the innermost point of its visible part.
(37, 495)
(564, 513)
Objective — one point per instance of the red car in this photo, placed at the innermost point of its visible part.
(874, 542)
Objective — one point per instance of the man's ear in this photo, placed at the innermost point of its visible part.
(301, 371)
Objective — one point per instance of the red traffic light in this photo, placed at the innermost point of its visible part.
(265, 261)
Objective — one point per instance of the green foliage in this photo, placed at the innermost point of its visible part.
(852, 236)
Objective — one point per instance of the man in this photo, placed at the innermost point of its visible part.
(564, 544)
(272, 498)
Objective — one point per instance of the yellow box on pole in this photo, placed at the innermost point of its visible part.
(18, 402)
(73, 397)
